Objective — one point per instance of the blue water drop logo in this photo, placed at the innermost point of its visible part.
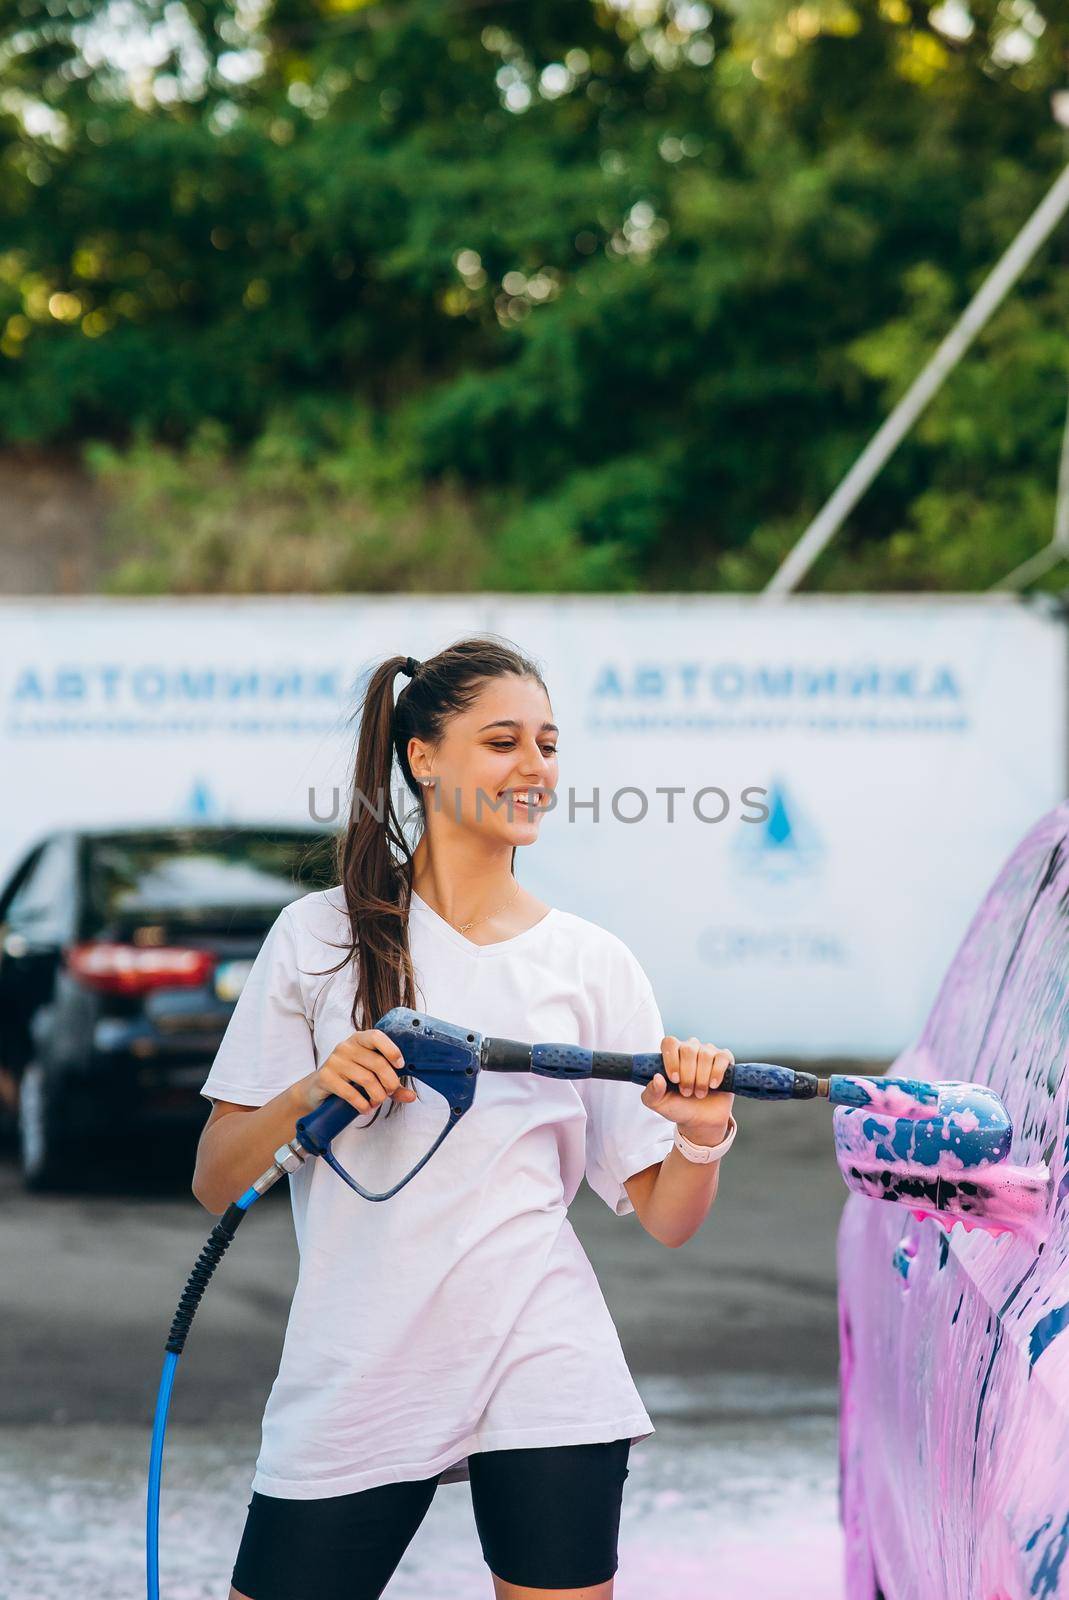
(784, 846)
(200, 805)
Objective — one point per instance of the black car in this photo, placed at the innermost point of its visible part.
(122, 952)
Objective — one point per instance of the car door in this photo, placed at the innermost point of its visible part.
(35, 922)
(955, 1377)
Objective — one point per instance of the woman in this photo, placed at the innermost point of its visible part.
(456, 1331)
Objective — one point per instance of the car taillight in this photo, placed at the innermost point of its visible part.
(131, 968)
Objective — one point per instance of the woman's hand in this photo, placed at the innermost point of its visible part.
(363, 1069)
(696, 1069)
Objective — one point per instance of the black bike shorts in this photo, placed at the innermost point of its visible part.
(547, 1518)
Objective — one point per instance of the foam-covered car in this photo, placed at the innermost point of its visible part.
(954, 1344)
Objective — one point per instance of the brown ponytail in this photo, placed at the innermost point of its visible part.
(374, 856)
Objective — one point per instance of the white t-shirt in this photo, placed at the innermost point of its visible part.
(463, 1314)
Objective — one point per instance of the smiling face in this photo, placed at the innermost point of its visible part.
(502, 746)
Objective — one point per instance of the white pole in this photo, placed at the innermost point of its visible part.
(889, 436)
(1058, 549)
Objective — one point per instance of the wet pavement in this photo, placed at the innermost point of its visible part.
(732, 1341)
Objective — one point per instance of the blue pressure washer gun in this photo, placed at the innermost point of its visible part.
(449, 1059)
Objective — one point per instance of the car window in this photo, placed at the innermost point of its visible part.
(43, 903)
(186, 869)
(1016, 956)
(18, 879)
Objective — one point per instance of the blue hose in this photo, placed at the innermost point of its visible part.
(209, 1258)
(155, 1474)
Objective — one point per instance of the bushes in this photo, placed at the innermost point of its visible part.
(550, 296)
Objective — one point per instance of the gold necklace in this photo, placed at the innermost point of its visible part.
(462, 927)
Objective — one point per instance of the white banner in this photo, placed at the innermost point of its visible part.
(799, 804)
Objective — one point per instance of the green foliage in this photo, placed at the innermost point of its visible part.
(572, 295)
(290, 516)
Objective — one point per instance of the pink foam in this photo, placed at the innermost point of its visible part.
(994, 1195)
(889, 1100)
(954, 1382)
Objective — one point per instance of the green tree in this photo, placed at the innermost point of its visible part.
(624, 286)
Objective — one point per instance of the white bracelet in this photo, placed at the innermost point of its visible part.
(703, 1153)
